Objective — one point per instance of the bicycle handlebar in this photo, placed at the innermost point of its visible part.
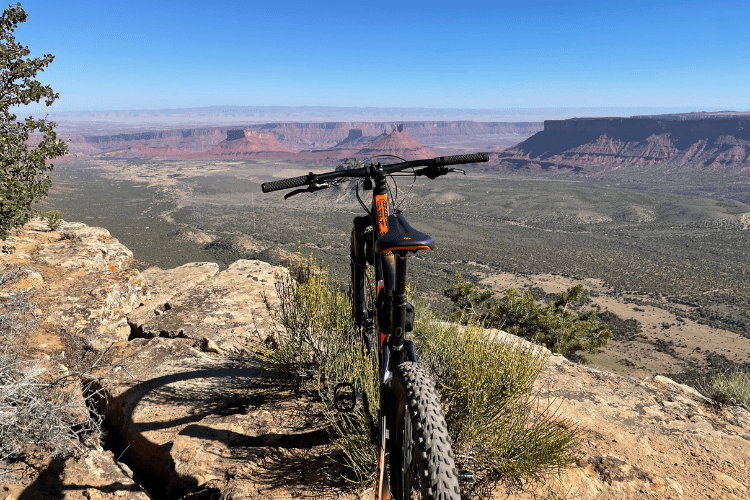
(461, 159)
(294, 182)
(367, 170)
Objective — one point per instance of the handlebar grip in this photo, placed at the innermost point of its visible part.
(294, 182)
(459, 159)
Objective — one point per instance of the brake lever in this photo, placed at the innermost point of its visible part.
(310, 189)
(435, 172)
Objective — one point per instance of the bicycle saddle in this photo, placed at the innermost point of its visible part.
(401, 236)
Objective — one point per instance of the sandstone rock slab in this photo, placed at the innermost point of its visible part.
(73, 246)
(230, 308)
(79, 279)
(163, 386)
(162, 285)
(94, 474)
(645, 438)
(247, 455)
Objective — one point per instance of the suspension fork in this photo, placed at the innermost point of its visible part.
(358, 256)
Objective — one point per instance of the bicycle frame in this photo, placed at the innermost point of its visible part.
(389, 304)
(382, 323)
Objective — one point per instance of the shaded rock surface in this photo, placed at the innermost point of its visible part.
(194, 417)
(93, 475)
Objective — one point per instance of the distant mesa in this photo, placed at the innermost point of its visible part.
(354, 135)
(358, 145)
(240, 143)
(398, 143)
(610, 143)
(355, 142)
(325, 142)
(233, 135)
(586, 145)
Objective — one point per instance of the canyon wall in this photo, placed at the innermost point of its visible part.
(718, 142)
(311, 136)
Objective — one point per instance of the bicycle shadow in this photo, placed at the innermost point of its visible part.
(216, 405)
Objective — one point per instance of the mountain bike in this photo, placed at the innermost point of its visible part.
(411, 427)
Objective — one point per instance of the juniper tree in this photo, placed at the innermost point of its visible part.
(23, 167)
(556, 326)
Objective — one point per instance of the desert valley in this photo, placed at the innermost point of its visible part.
(650, 213)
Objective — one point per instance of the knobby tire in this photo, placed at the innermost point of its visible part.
(421, 460)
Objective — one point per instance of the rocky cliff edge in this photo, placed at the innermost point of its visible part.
(190, 414)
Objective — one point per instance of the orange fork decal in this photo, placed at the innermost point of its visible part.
(381, 208)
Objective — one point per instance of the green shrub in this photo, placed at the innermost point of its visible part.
(556, 326)
(499, 428)
(729, 388)
(54, 219)
(317, 322)
(318, 343)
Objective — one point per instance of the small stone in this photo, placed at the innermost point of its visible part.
(208, 345)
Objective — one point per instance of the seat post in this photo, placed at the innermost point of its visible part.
(399, 302)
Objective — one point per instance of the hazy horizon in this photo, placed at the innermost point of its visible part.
(207, 116)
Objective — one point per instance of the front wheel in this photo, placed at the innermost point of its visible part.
(421, 460)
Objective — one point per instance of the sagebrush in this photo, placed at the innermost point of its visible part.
(53, 219)
(499, 428)
(42, 403)
(728, 388)
(318, 343)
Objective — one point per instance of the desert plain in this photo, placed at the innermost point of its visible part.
(668, 272)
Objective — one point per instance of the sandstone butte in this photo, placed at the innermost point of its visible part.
(186, 419)
(250, 144)
(398, 143)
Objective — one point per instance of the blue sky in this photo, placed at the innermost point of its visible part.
(458, 54)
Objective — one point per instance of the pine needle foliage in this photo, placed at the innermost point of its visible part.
(557, 326)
